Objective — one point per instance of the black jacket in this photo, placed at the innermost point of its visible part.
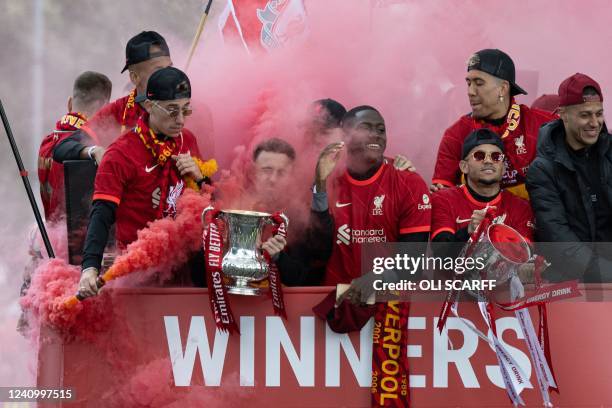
(563, 209)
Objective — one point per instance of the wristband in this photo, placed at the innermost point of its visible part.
(89, 151)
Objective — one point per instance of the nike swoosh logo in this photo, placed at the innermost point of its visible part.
(460, 221)
(342, 205)
(150, 169)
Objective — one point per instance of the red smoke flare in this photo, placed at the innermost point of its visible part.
(165, 243)
(161, 247)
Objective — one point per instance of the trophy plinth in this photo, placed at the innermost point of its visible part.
(240, 286)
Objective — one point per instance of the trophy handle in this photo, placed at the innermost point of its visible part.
(286, 219)
(206, 210)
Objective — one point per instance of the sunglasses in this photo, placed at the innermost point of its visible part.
(479, 155)
(174, 113)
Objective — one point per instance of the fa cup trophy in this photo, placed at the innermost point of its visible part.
(244, 265)
(235, 262)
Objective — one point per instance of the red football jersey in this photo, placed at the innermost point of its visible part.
(114, 119)
(453, 208)
(130, 177)
(376, 210)
(519, 134)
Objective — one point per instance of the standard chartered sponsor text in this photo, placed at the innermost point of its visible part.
(368, 236)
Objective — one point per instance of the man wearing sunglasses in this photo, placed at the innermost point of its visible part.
(570, 184)
(145, 53)
(457, 211)
(144, 171)
(491, 90)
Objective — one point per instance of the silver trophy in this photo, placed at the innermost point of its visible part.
(243, 264)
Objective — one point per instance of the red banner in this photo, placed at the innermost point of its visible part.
(280, 228)
(165, 341)
(213, 255)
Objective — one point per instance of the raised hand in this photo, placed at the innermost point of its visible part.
(402, 163)
(328, 159)
(477, 217)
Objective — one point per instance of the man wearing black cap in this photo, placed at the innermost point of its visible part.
(457, 211)
(144, 171)
(145, 53)
(491, 90)
(570, 184)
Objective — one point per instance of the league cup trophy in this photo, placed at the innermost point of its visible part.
(244, 264)
(504, 252)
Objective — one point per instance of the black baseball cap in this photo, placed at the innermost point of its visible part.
(167, 84)
(497, 63)
(479, 137)
(138, 48)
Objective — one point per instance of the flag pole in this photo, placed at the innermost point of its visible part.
(196, 38)
(24, 176)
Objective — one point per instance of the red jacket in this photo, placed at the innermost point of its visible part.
(519, 134)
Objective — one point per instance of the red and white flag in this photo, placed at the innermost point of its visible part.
(266, 24)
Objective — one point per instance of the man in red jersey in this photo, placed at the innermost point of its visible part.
(491, 89)
(369, 202)
(145, 53)
(457, 211)
(144, 171)
(91, 91)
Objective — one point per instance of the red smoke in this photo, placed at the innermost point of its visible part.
(52, 282)
(407, 59)
(166, 243)
(160, 248)
(151, 385)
